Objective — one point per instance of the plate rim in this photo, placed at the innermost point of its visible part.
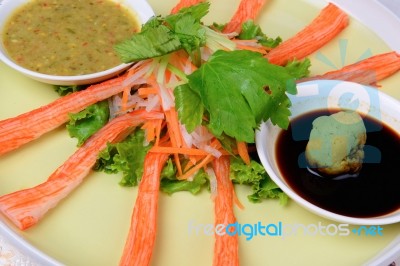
(350, 7)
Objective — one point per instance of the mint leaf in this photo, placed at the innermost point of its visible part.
(161, 36)
(146, 44)
(87, 122)
(152, 23)
(197, 11)
(190, 33)
(232, 86)
(192, 36)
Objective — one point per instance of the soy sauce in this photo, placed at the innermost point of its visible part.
(374, 192)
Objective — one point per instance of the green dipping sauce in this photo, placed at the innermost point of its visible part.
(68, 37)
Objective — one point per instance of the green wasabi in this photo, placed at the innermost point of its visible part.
(336, 144)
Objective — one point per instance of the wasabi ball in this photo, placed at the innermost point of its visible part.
(336, 144)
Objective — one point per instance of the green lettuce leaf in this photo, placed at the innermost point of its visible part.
(87, 122)
(255, 176)
(126, 157)
(65, 90)
(170, 184)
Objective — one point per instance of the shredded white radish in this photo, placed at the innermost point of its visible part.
(201, 136)
(114, 105)
(139, 76)
(216, 153)
(187, 138)
(167, 98)
(187, 67)
(153, 103)
(213, 182)
(205, 53)
(201, 139)
(249, 43)
(174, 82)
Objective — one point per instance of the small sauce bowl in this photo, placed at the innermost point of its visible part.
(140, 9)
(332, 95)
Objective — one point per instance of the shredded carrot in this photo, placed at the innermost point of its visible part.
(189, 164)
(158, 132)
(182, 150)
(125, 98)
(178, 164)
(327, 25)
(237, 201)
(175, 135)
(146, 91)
(196, 168)
(164, 141)
(171, 117)
(151, 128)
(193, 159)
(243, 152)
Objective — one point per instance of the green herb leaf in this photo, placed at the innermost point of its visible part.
(232, 86)
(190, 108)
(299, 69)
(218, 26)
(169, 184)
(150, 43)
(126, 157)
(251, 31)
(84, 124)
(65, 90)
(161, 36)
(197, 11)
(255, 176)
(192, 36)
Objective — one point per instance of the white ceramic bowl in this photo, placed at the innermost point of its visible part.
(322, 94)
(140, 8)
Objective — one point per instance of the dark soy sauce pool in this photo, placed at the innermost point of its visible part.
(374, 192)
